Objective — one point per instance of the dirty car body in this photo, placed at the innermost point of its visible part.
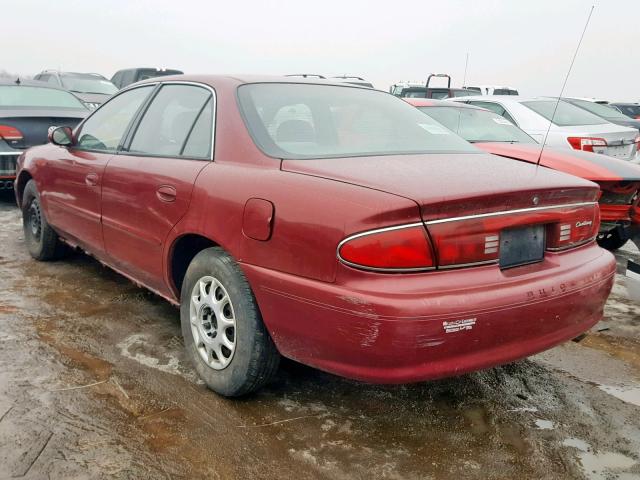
(376, 247)
(619, 180)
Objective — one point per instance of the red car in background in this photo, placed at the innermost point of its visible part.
(619, 180)
(332, 224)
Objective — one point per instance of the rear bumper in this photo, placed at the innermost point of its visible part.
(8, 162)
(407, 328)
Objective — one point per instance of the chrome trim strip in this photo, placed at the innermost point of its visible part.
(472, 264)
(508, 212)
(7, 154)
(575, 245)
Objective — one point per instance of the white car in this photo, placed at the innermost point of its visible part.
(493, 90)
(572, 127)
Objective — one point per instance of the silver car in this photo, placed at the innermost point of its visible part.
(572, 126)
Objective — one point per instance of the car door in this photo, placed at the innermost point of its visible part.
(72, 190)
(147, 186)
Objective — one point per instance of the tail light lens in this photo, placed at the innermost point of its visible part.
(587, 144)
(405, 248)
(10, 134)
(578, 228)
(466, 241)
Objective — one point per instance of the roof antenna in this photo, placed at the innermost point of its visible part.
(464, 80)
(564, 85)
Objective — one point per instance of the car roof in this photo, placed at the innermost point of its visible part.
(242, 79)
(17, 82)
(428, 102)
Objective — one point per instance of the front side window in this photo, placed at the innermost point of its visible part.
(565, 115)
(170, 119)
(299, 121)
(477, 125)
(43, 97)
(103, 131)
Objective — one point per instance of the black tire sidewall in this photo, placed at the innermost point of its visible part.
(232, 380)
(34, 245)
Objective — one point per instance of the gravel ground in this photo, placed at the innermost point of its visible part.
(94, 384)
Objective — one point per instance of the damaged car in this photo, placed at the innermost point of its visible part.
(619, 180)
(332, 224)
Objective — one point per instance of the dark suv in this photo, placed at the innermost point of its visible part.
(125, 77)
(91, 88)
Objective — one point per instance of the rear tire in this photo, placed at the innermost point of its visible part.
(42, 241)
(223, 332)
(612, 240)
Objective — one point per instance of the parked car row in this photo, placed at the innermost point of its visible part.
(332, 224)
(619, 180)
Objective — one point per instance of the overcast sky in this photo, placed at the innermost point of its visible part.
(527, 44)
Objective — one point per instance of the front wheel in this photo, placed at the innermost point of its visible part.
(223, 331)
(612, 240)
(42, 241)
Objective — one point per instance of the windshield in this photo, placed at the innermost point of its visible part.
(504, 91)
(603, 111)
(88, 84)
(295, 121)
(566, 114)
(476, 125)
(632, 111)
(25, 96)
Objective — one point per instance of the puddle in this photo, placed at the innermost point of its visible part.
(626, 394)
(135, 347)
(544, 424)
(600, 466)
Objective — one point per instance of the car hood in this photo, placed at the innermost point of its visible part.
(444, 184)
(591, 166)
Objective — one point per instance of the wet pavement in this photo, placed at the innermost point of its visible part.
(94, 384)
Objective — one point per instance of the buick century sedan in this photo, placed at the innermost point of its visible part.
(328, 223)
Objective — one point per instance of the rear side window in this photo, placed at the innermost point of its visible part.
(103, 131)
(566, 114)
(170, 119)
(199, 141)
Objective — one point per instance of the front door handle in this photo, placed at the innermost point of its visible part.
(166, 193)
(91, 179)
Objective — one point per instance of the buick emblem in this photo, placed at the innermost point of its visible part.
(535, 200)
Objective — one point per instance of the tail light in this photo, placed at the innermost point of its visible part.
(405, 248)
(587, 144)
(578, 228)
(466, 241)
(10, 134)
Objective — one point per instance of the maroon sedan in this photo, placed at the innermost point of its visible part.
(332, 224)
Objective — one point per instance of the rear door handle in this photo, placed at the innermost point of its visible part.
(166, 193)
(91, 179)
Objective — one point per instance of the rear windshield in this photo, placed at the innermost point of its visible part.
(566, 114)
(88, 84)
(603, 111)
(299, 121)
(504, 91)
(476, 125)
(463, 93)
(24, 96)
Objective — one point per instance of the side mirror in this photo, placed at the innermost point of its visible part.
(62, 136)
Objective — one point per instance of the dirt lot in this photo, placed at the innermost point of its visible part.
(93, 384)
